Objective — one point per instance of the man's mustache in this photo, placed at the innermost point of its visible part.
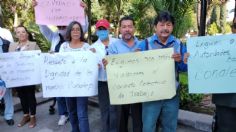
(128, 34)
(165, 31)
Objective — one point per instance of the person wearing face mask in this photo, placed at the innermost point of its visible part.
(109, 115)
(127, 44)
(56, 39)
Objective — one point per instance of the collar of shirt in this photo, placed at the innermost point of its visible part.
(136, 41)
(169, 43)
(120, 47)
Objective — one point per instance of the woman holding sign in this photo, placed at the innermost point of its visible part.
(25, 93)
(77, 106)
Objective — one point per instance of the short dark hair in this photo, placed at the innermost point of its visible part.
(30, 36)
(126, 18)
(69, 28)
(164, 16)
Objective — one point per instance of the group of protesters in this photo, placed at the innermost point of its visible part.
(114, 118)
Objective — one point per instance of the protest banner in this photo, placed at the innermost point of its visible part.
(141, 76)
(69, 74)
(20, 68)
(59, 12)
(212, 64)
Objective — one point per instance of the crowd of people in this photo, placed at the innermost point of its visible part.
(114, 118)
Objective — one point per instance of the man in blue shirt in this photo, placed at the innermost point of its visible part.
(127, 44)
(164, 110)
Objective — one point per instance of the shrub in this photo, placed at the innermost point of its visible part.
(188, 100)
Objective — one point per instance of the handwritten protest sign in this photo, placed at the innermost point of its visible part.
(212, 64)
(59, 12)
(20, 68)
(69, 74)
(141, 76)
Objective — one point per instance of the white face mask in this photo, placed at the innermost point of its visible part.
(62, 32)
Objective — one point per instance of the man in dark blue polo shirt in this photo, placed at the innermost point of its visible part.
(166, 110)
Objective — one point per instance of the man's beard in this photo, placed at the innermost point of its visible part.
(128, 36)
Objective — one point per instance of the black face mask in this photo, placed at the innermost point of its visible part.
(234, 25)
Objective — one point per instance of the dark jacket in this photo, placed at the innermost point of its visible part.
(5, 46)
(228, 100)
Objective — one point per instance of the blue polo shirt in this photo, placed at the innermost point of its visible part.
(120, 47)
(154, 43)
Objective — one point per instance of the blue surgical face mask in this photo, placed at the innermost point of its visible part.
(102, 34)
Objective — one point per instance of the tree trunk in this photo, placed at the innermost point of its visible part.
(1, 17)
(89, 21)
(235, 9)
(203, 18)
(198, 15)
(222, 17)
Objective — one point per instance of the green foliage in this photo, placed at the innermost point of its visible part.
(213, 29)
(187, 100)
(41, 41)
(20, 12)
(227, 28)
(180, 9)
(218, 16)
(223, 18)
(143, 14)
(215, 15)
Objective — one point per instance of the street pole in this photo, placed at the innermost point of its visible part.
(203, 18)
(235, 9)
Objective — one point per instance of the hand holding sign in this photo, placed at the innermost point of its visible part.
(59, 12)
(141, 76)
(212, 64)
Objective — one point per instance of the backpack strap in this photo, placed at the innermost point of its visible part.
(57, 48)
(146, 45)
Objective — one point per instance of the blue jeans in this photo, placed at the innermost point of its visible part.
(165, 110)
(78, 113)
(61, 104)
(109, 113)
(9, 109)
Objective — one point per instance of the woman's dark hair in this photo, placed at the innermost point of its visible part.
(164, 16)
(126, 18)
(30, 36)
(69, 29)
